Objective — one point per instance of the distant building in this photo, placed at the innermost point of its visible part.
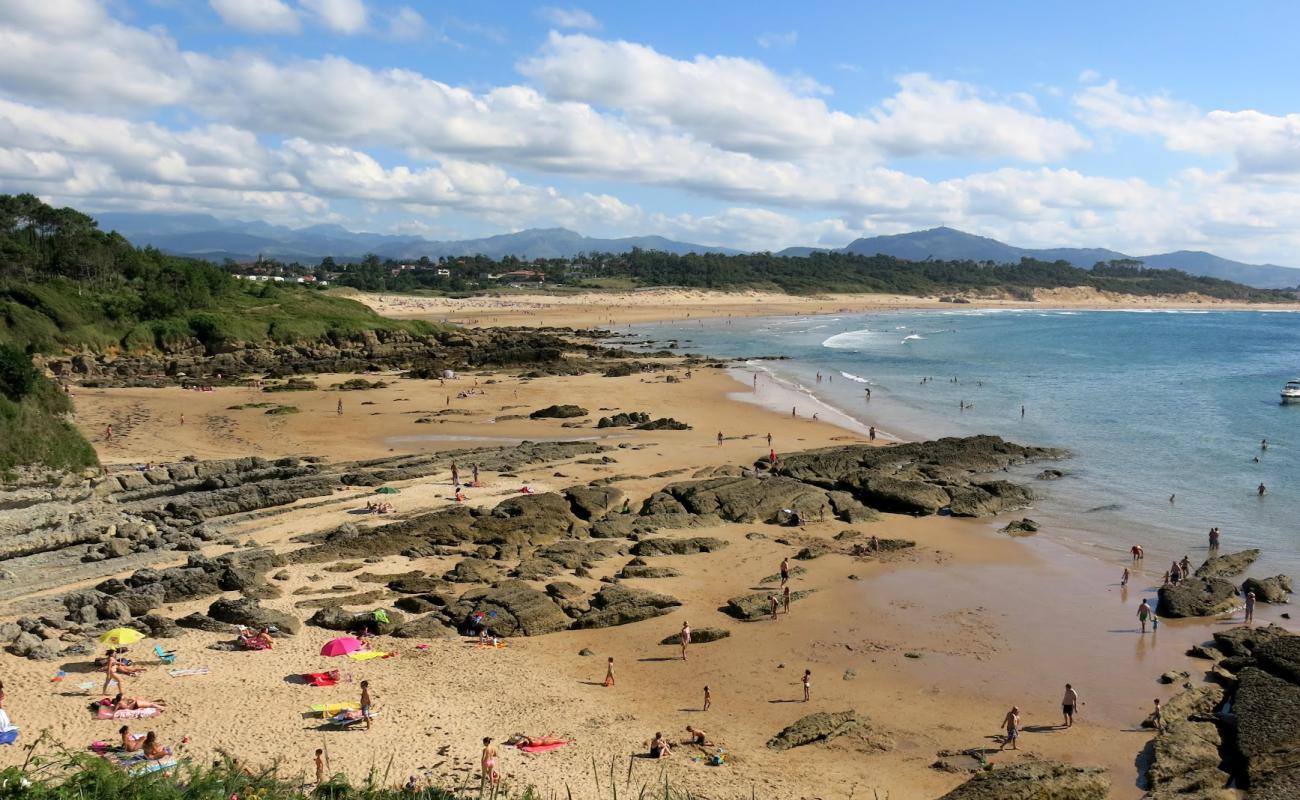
(522, 276)
(444, 273)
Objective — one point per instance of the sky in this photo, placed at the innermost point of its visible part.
(1142, 127)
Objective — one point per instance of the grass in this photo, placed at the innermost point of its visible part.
(50, 772)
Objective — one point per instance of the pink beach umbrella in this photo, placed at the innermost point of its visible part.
(341, 646)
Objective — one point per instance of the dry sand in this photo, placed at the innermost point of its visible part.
(609, 309)
(932, 646)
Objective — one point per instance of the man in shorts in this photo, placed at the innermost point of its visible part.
(1069, 704)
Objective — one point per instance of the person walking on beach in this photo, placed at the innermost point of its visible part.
(1069, 704)
(609, 673)
(769, 444)
(794, 411)
(1123, 580)
(785, 599)
(475, 475)
(872, 432)
(685, 638)
(807, 685)
(1011, 722)
(340, 408)
(719, 438)
(488, 763)
(708, 699)
(111, 674)
(1250, 607)
(108, 433)
(320, 766)
(1144, 611)
(455, 475)
(365, 703)
(1186, 565)
(1158, 717)
(785, 571)
(772, 601)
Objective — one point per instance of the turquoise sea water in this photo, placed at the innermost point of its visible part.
(1150, 404)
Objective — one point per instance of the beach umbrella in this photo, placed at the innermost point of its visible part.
(121, 636)
(387, 490)
(341, 646)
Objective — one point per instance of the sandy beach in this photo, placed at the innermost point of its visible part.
(612, 309)
(931, 645)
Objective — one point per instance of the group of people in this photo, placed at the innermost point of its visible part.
(379, 508)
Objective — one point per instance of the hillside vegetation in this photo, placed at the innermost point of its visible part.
(33, 424)
(66, 285)
(815, 273)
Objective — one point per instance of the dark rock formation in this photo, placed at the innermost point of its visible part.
(251, 614)
(1268, 713)
(1021, 527)
(1197, 597)
(698, 636)
(559, 412)
(678, 547)
(621, 605)
(663, 424)
(511, 608)
(1035, 780)
(758, 605)
(1276, 589)
(819, 727)
(1227, 565)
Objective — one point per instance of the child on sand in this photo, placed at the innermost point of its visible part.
(771, 598)
(1123, 581)
(488, 762)
(609, 673)
(708, 699)
(659, 746)
(807, 685)
(1158, 717)
(320, 766)
(785, 598)
(365, 703)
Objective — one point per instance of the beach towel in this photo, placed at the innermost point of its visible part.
(106, 712)
(154, 766)
(332, 709)
(541, 748)
(367, 655)
(182, 673)
(320, 679)
(343, 720)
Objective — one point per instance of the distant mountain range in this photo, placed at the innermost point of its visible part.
(948, 244)
(205, 236)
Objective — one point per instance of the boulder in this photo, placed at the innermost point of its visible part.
(335, 618)
(1227, 565)
(622, 605)
(1243, 640)
(1276, 589)
(812, 551)
(1174, 676)
(420, 603)
(29, 645)
(1021, 527)
(678, 547)
(512, 608)
(251, 614)
(746, 499)
(636, 568)
(757, 606)
(1035, 780)
(1268, 723)
(473, 570)
(593, 502)
(1197, 597)
(819, 727)
(988, 498)
(430, 626)
(903, 496)
(559, 412)
(202, 622)
(536, 569)
(698, 636)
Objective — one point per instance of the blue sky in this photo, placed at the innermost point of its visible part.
(1141, 127)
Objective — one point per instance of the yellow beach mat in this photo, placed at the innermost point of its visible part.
(330, 709)
(367, 655)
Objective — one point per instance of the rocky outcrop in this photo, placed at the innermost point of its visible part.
(1245, 640)
(758, 605)
(678, 547)
(1268, 723)
(593, 502)
(1035, 780)
(335, 618)
(1228, 565)
(251, 614)
(1197, 597)
(621, 605)
(663, 424)
(1021, 527)
(1186, 755)
(698, 636)
(559, 412)
(819, 727)
(1276, 589)
(1280, 657)
(511, 608)
(638, 568)
(918, 477)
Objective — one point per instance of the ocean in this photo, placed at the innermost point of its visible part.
(1150, 404)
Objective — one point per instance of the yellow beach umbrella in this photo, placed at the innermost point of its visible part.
(121, 636)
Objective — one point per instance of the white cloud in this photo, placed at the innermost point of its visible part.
(341, 16)
(406, 24)
(257, 16)
(778, 40)
(1262, 146)
(568, 18)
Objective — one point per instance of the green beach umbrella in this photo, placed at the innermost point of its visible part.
(387, 490)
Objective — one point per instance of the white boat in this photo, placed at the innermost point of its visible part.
(1291, 392)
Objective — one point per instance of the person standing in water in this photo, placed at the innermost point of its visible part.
(1262, 490)
(1144, 611)
(1123, 581)
(1250, 607)
(872, 432)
